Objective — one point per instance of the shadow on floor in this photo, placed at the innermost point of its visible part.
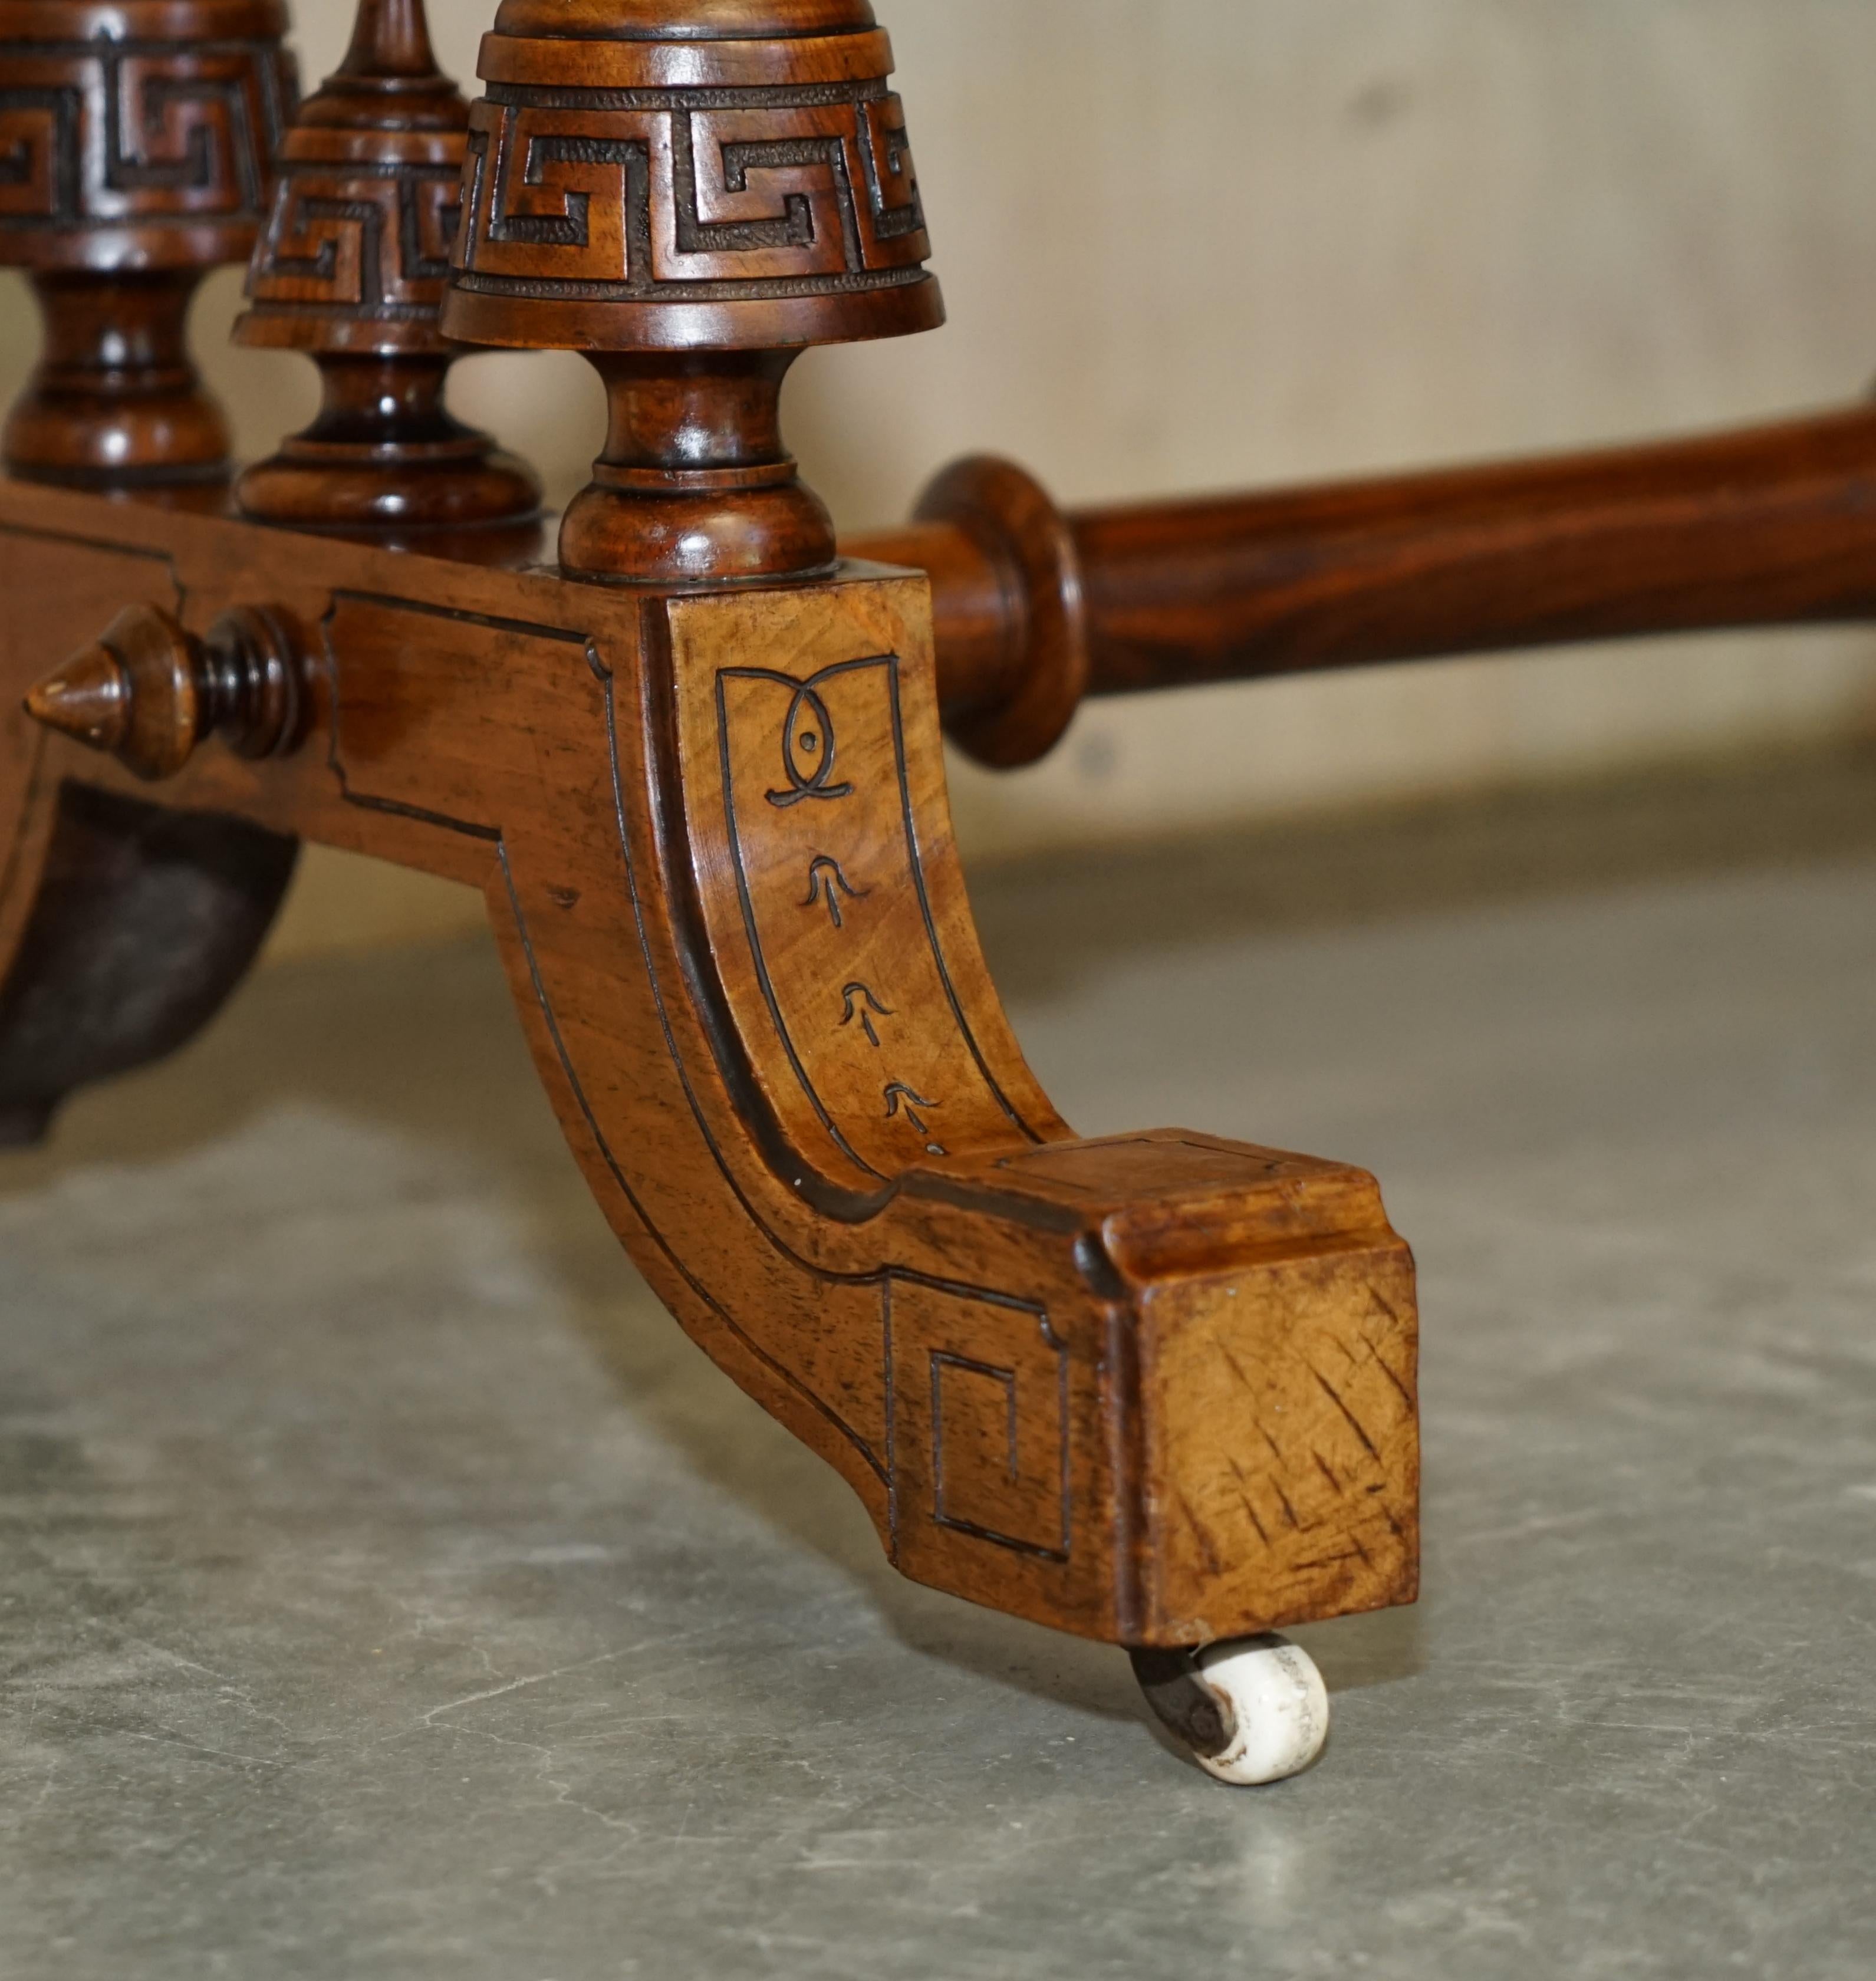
(422, 1043)
(1458, 852)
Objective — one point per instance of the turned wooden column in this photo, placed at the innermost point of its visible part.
(690, 195)
(137, 139)
(352, 270)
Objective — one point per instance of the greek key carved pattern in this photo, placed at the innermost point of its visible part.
(627, 196)
(430, 209)
(111, 133)
(360, 240)
(982, 1443)
(38, 153)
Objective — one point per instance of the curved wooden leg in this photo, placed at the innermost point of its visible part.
(141, 921)
(1158, 1389)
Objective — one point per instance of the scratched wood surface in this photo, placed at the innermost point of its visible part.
(1157, 1390)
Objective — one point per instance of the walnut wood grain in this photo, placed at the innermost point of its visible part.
(138, 139)
(124, 926)
(690, 196)
(1772, 526)
(352, 269)
(150, 693)
(1158, 1389)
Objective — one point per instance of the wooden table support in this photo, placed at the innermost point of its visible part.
(1158, 1389)
(1035, 610)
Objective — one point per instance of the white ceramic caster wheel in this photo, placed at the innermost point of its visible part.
(1252, 1711)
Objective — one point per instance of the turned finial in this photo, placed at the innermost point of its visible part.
(352, 270)
(391, 44)
(690, 192)
(139, 139)
(148, 693)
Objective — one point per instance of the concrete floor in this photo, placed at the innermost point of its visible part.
(389, 1590)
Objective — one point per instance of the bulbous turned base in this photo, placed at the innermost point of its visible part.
(695, 486)
(115, 402)
(470, 485)
(384, 455)
(724, 530)
(116, 440)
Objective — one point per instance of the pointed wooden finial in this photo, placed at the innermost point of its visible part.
(390, 38)
(148, 692)
(87, 698)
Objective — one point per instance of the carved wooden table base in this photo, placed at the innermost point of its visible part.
(1158, 1389)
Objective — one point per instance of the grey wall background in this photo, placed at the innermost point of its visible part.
(1194, 244)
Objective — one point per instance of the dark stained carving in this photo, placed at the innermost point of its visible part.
(902, 1099)
(827, 881)
(691, 212)
(174, 133)
(137, 141)
(1155, 1390)
(352, 269)
(647, 196)
(857, 1001)
(764, 839)
(997, 1451)
(808, 747)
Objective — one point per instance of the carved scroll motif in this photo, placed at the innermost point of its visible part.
(827, 902)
